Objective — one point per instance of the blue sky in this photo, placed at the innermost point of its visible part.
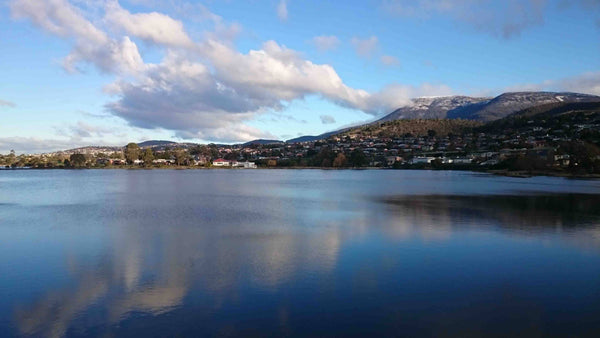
(78, 72)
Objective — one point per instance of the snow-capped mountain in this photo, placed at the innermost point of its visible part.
(482, 108)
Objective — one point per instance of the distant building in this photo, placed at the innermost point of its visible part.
(221, 162)
(248, 165)
(417, 160)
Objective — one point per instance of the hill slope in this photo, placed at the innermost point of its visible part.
(482, 108)
(432, 107)
(509, 103)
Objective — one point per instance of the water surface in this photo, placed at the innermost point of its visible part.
(297, 253)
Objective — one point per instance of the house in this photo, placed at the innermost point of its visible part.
(562, 160)
(462, 160)
(392, 159)
(248, 165)
(417, 160)
(160, 161)
(221, 162)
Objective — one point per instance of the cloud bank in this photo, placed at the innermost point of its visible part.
(200, 89)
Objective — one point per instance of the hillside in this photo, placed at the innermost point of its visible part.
(416, 127)
(510, 103)
(482, 108)
(261, 141)
(432, 107)
(567, 118)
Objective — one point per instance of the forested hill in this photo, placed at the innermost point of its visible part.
(562, 117)
(416, 127)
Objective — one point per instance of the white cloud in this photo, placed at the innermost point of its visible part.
(9, 104)
(282, 11)
(585, 83)
(326, 42)
(389, 60)
(207, 89)
(327, 119)
(91, 44)
(153, 27)
(507, 18)
(365, 47)
(396, 95)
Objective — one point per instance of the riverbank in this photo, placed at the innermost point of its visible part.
(503, 172)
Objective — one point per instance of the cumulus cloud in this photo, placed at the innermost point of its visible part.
(153, 27)
(206, 89)
(91, 44)
(326, 42)
(389, 60)
(365, 47)
(282, 11)
(327, 119)
(585, 83)
(506, 18)
(9, 104)
(397, 95)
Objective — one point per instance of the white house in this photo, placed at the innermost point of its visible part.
(416, 160)
(221, 162)
(248, 165)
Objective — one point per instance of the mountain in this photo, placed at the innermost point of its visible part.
(481, 108)
(262, 141)
(310, 138)
(433, 107)
(155, 143)
(553, 115)
(509, 103)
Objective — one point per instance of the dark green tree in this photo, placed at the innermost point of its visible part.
(180, 156)
(357, 158)
(132, 152)
(77, 160)
(148, 157)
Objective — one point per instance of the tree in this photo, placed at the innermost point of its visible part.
(180, 156)
(148, 157)
(324, 158)
(77, 160)
(357, 158)
(132, 152)
(340, 161)
(116, 155)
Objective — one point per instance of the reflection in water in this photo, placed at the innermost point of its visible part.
(303, 253)
(150, 272)
(527, 214)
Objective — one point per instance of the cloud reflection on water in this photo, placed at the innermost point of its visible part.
(212, 247)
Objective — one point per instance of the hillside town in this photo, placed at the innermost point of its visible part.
(525, 144)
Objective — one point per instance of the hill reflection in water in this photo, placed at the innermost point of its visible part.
(296, 253)
(575, 215)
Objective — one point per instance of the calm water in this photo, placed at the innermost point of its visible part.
(297, 253)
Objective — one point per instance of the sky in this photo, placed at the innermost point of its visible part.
(107, 72)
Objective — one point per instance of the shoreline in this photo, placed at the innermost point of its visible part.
(501, 172)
